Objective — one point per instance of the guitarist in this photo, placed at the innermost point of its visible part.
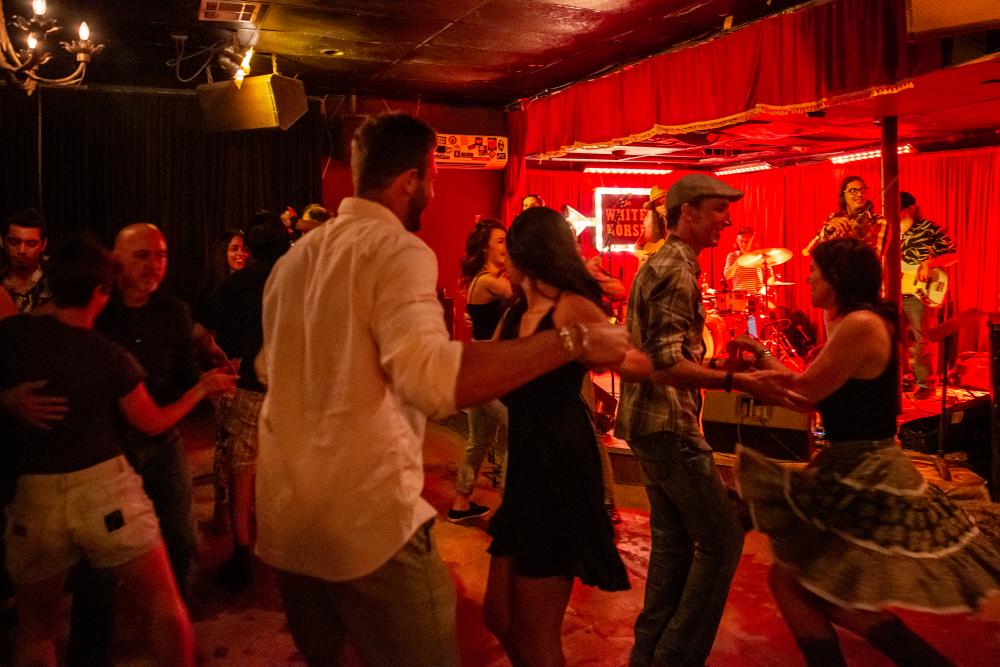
(925, 246)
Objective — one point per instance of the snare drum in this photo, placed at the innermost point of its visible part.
(731, 302)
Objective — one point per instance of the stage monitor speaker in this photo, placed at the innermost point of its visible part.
(968, 431)
(774, 431)
(266, 101)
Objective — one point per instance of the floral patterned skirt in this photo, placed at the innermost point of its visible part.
(862, 529)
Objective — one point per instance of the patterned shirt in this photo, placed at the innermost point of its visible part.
(37, 293)
(923, 240)
(665, 319)
(865, 225)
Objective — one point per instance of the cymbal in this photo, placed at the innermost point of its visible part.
(771, 256)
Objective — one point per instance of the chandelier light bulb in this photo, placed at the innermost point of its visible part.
(32, 42)
(38, 6)
(84, 32)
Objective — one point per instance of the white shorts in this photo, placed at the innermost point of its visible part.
(100, 513)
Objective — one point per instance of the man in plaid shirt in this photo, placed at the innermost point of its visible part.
(696, 537)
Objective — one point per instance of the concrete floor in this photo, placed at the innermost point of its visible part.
(250, 629)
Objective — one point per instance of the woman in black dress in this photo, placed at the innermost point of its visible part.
(859, 529)
(551, 527)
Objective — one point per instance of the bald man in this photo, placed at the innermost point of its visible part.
(156, 328)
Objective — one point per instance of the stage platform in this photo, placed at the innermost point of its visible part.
(965, 464)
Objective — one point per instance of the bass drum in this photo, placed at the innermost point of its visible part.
(714, 335)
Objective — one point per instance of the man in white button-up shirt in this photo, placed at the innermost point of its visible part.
(355, 356)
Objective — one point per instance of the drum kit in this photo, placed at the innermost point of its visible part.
(731, 313)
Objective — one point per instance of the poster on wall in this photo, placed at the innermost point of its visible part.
(619, 215)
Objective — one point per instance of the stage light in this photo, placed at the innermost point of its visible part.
(744, 168)
(869, 154)
(627, 170)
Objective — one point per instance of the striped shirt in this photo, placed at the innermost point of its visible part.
(746, 279)
(923, 240)
(665, 319)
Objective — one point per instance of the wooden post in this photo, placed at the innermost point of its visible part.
(891, 269)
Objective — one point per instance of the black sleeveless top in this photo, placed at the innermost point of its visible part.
(485, 316)
(863, 409)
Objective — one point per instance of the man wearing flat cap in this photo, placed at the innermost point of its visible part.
(696, 536)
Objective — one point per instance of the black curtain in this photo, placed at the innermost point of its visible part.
(111, 158)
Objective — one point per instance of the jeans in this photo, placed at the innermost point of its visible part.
(403, 613)
(487, 424)
(921, 318)
(696, 545)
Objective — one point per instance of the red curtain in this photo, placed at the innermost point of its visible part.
(959, 190)
(794, 61)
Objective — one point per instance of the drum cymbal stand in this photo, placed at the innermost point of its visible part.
(771, 335)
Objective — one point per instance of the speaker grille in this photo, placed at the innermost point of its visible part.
(267, 101)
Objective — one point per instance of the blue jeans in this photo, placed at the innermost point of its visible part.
(696, 545)
(487, 423)
(921, 318)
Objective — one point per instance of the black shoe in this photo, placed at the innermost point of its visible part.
(614, 516)
(475, 510)
(924, 393)
(236, 574)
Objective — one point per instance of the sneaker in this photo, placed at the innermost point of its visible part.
(475, 510)
(614, 516)
(923, 393)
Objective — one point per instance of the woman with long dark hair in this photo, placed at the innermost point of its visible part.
(487, 289)
(551, 527)
(228, 255)
(859, 529)
(855, 217)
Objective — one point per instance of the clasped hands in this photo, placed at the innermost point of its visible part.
(768, 381)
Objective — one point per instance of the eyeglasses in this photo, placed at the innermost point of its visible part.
(856, 191)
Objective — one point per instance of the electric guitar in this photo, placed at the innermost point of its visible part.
(931, 291)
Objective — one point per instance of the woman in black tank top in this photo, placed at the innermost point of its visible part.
(859, 529)
(487, 290)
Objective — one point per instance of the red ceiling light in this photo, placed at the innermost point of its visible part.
(744, 169)
(627, 170)
(867, 155)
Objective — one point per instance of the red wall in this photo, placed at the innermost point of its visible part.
(459, 196)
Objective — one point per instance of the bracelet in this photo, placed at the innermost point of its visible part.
(761, 353)
(728, 386)
(566, 338)
(583, 335)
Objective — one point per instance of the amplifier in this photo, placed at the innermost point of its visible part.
(774, 431)
(968, 431)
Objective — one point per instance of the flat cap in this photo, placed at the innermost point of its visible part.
(692, 186)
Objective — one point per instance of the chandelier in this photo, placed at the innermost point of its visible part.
(20, 64)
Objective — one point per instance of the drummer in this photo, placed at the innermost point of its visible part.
(741, 278)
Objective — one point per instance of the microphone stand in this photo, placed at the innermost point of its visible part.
(616, 218)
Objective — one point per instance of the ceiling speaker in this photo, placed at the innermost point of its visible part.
(265, 101)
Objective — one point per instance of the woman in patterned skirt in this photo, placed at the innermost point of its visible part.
(859, 529)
